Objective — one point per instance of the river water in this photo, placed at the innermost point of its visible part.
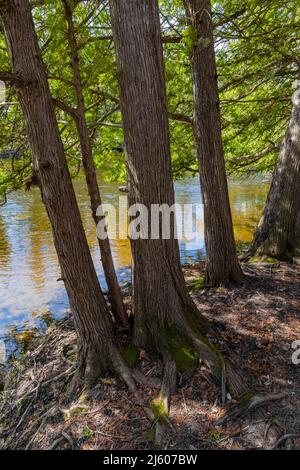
(30, 294)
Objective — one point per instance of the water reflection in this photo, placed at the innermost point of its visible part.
(29, 290)
(4, 245)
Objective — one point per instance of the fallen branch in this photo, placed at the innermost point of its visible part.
(35, 434)
(69, 371)
(283, 439)
(249, 405)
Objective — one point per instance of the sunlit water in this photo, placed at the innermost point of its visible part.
(29, 291)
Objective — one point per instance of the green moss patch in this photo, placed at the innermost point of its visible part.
(185, 358)
(263, 259)
(131, 355)
(87, 432)
(74, 410)
(158, 409)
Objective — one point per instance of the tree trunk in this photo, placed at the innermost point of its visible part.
(165, 317)
(114, 291)
(278, 233)
(160, 298)
(91, 316)
(222, 266)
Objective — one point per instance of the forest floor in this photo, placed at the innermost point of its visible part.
(255, 326)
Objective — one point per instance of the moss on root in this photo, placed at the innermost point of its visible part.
(263, 259)
(185, 358)
(272, 257)
(159, 409)
(131, 355)
(84, 397)
(186, 352)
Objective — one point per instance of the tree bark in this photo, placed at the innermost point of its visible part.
(160, 298)
(114, 291)
(278, 233)
(222, 266)
(91, 316)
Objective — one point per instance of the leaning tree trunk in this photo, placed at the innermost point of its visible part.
(114, 291)
(91, 316)
(222, 266)
(165, 317)
(278, 233)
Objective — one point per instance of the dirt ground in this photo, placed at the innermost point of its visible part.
(254, 325)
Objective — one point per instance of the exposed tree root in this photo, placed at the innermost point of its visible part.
(148, 381)
(283, 439)
(158, 410)
(244, 257)
(247, 404)
(73, 387)
(220, 367)
(126, 374)
(162, 402)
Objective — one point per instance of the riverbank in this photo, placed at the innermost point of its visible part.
(255, 326)
(28, 261)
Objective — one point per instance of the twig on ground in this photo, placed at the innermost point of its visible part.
(283, 439)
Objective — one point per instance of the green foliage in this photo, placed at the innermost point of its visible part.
(257, 50)
(189, 37)
(13, 174)
(197, 283)
(256, 53)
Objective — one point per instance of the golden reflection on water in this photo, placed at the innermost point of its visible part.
(4, 245)
(247, 202)
(28, 262)
(38, 226)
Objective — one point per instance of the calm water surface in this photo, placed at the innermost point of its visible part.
(29, 292)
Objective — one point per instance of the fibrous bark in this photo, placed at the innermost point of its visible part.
(159, 291)
(222, 266)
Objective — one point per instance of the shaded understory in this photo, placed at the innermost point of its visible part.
(254, 325)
